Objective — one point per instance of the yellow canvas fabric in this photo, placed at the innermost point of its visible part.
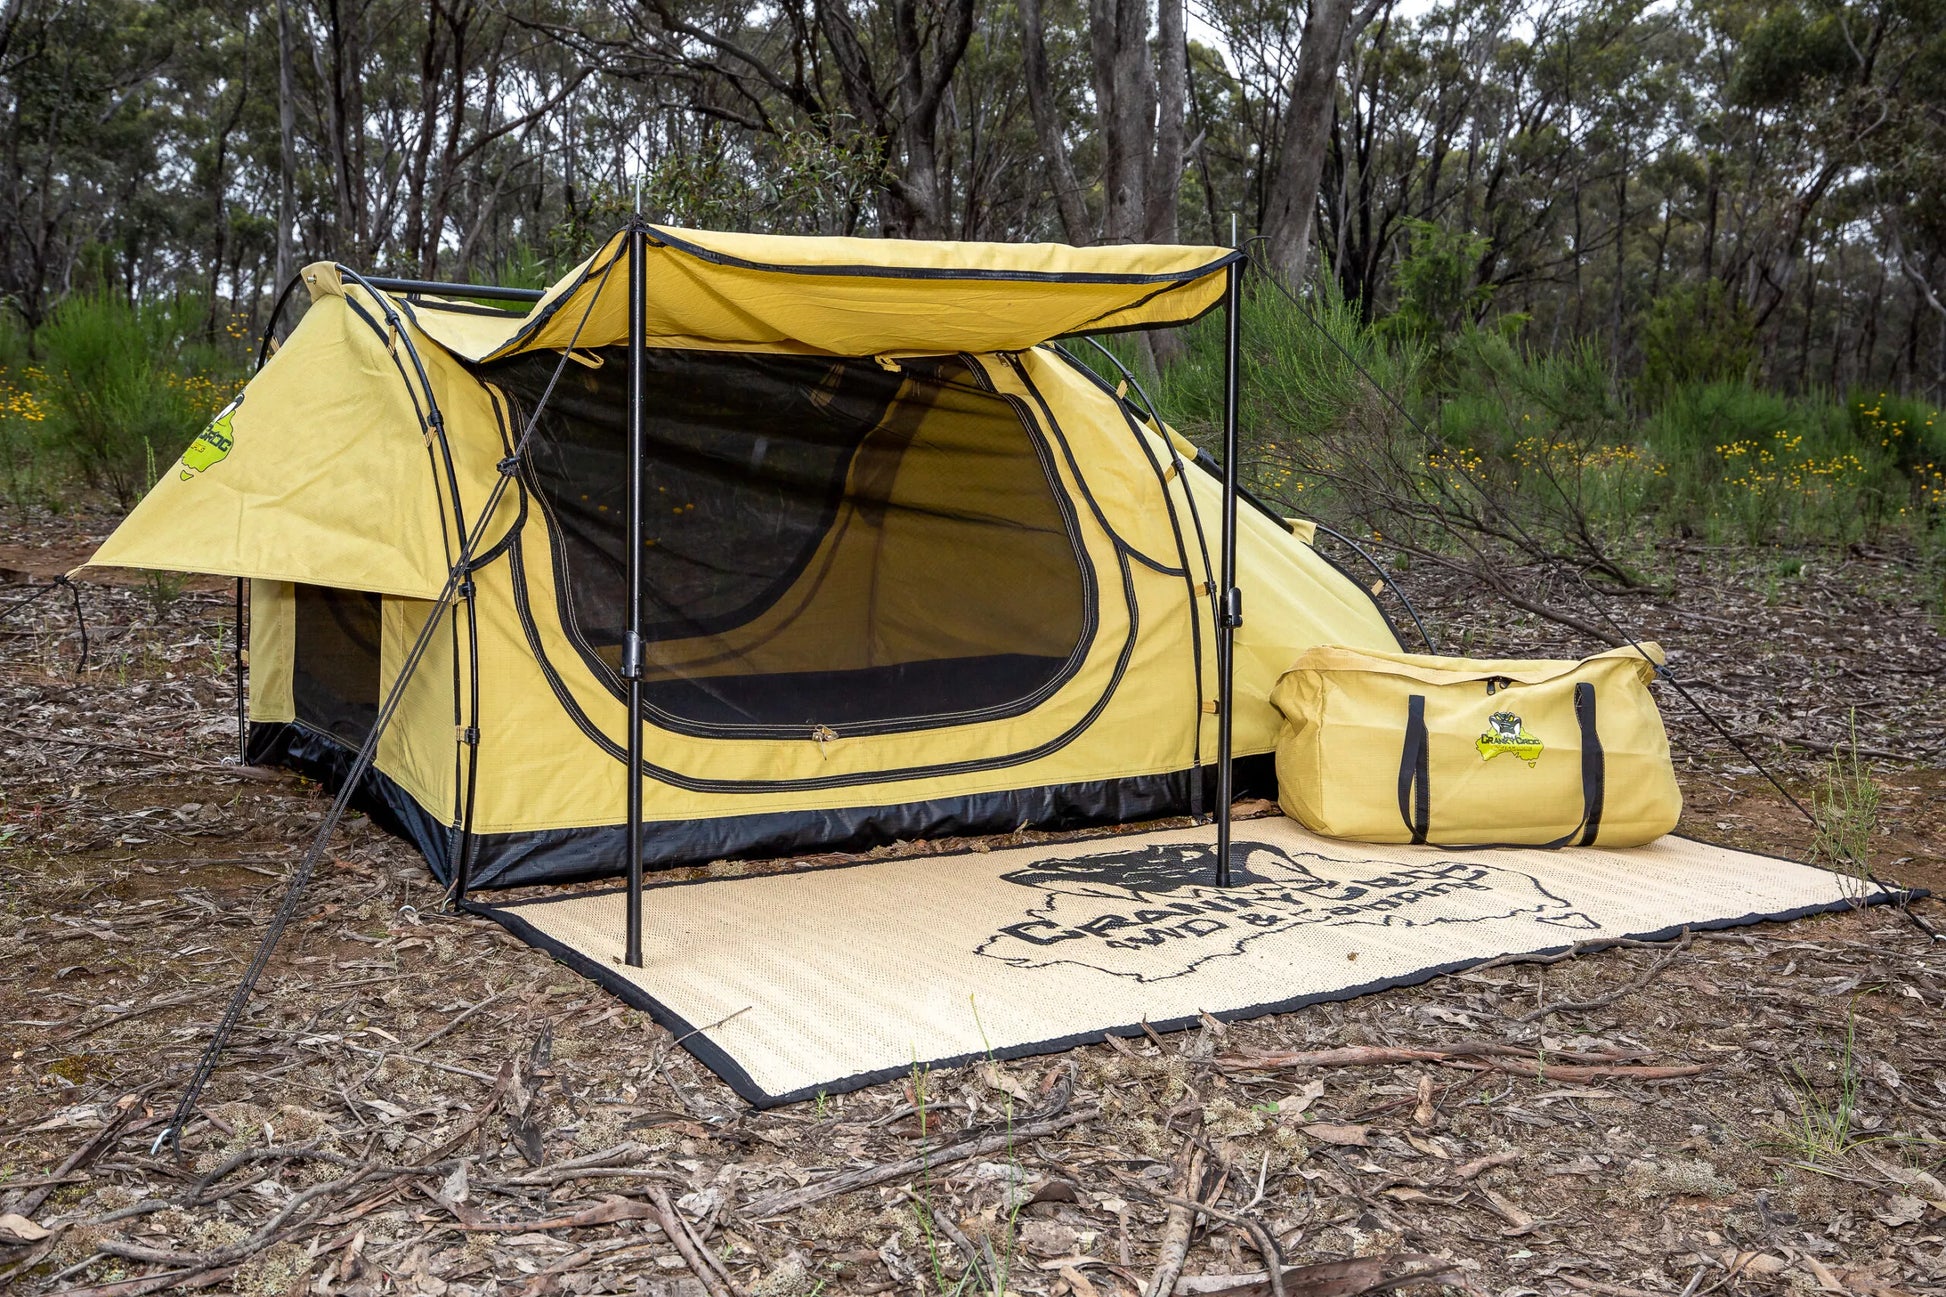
(270, 657)
(1109, 719)
(419, 747)
(322, 471)
(1504, 746)
(328, 479)
(852, 297)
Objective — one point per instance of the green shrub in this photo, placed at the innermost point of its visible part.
(1555, 436)
(125, 386)
(1695, 335)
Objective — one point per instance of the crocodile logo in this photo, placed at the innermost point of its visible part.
(1154, 914)
(212, 444)
(1506, 733)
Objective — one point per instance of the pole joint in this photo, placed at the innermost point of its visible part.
(1233, 607)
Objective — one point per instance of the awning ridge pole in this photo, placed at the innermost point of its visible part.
(1231, 615)
(632, 639)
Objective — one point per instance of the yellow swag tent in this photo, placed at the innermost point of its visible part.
(895, 564)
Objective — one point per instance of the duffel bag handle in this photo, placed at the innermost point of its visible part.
(1415, 776)
(1415, 771)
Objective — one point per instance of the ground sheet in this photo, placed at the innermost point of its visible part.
(831, 978)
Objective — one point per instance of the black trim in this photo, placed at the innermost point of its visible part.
(316, 755)
(602, 741)
(523, 605)
(608, 745)
(539, 320)
(1594, 764)
(1097, 331)
(432, 424)
(699, 1046)
(441, 288)
(697, 1042)
(1168, 280)
(1080, 477)
(580, 854)
(1077, 657)
(1179, 472)
(458, 308)
(1415, 774)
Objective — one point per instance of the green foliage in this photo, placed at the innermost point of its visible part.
(1588, 465)
(1786, 53)
(123, 388)
(1301, 373)
(1436, 282)
(796, 181)
(1695, 334)
(22, 414)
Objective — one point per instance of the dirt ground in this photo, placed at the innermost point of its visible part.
(418, 1103)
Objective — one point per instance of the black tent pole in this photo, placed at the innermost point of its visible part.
(242, 712)
(632, 640)
(1231, 614)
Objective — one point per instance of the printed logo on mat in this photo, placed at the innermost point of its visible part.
(1155, 914)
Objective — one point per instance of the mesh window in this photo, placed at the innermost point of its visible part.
(826, 542)
(334, 676)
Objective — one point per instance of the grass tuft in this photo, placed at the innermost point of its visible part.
(1846, 804)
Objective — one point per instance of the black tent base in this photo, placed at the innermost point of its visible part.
(557, 856)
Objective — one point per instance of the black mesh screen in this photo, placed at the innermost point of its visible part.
(334, 677)
(827, 542)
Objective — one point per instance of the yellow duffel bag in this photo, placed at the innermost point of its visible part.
(1402, 747)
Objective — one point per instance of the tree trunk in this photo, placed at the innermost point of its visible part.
(1068, 201)
(921, 90)
(1172, 89)
(1291, 206)
(1125, 100)
(286, 151)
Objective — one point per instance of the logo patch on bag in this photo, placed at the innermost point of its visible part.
(1506, 733)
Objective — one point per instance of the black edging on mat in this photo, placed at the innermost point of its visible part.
(717, 1060)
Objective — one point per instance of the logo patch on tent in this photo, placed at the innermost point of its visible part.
(1154, 914)
(1506, 733)
(212, 444)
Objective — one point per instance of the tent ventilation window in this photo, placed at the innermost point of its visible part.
(335, 672)
(833, 545)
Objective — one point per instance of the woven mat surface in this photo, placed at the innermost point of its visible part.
(829, 979)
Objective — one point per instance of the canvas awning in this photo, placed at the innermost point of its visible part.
(325, 470)
(851, 297)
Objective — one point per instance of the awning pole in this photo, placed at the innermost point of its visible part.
(242, 709)
(632, 640)
(1231, 615)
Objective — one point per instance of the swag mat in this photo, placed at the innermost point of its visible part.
(829, 979)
